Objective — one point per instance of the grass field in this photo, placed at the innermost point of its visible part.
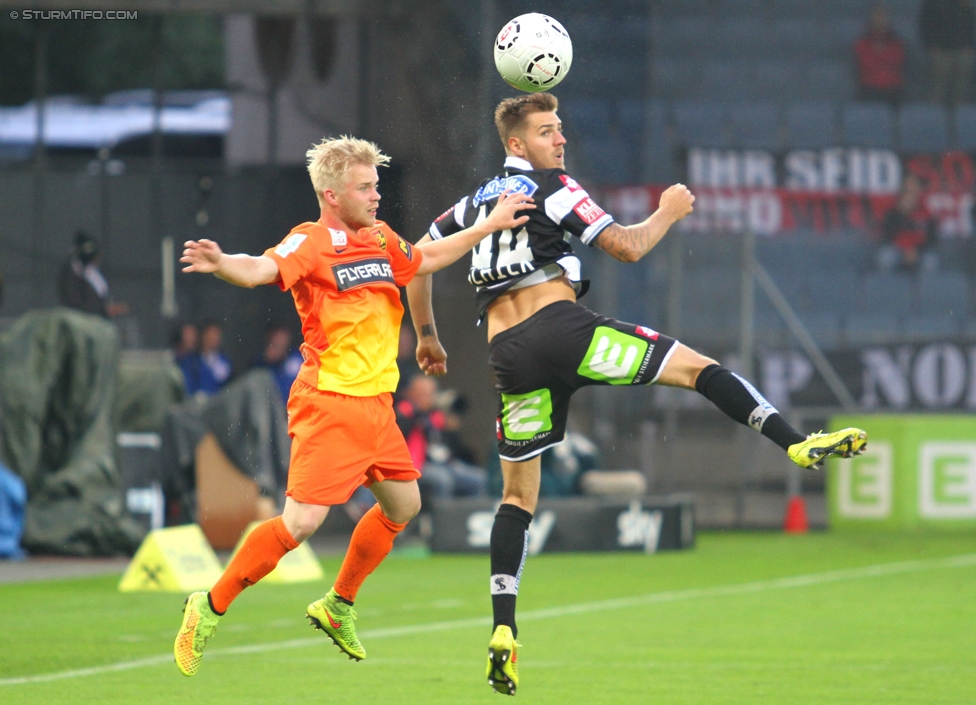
(742, 618)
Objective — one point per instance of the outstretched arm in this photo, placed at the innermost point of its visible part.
(431, 356)
(446, 251)
(628, 243)
(206, 257)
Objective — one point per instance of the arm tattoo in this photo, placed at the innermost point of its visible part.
(627, 244)
(426, 330)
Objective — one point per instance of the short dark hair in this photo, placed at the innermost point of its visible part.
(511, 113)
(86, 247)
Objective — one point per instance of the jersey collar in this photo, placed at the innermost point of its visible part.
(518, 163)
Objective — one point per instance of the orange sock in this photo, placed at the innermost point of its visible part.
(259, 555)
(371, 542)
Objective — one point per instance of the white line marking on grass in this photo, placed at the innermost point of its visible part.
(798, 581)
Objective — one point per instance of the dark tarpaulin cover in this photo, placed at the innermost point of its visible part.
(58, 384)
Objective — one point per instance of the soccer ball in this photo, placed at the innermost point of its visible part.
(533, 52)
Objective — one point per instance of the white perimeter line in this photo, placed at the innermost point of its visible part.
(834, 576)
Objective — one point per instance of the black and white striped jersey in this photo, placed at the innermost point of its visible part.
(538, 251)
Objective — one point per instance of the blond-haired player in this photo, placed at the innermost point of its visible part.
(344, 272)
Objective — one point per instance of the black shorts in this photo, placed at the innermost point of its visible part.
(540, 362)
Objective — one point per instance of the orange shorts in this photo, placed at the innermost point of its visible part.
(339, 442)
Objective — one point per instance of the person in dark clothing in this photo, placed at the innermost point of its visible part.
(81, 284)
(281, 358)
(908, 232)
(880, 59)
(947, 29)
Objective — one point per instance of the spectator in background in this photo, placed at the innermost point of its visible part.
(406, 358)
(81, 284)
(185, 343)
(880, 58)
(208, 369)
(423, 425)
(947, 29)
(281, 358)
(908, 232)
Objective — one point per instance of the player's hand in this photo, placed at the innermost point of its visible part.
(201, 256)
(431, 357)
(503, 215)
(676, 201)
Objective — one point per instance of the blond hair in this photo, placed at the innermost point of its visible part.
(330, 159)
(511, 113)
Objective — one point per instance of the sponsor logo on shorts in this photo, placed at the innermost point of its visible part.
(588, 211)
(366, 271)
(518, 183)
(526, 416)
(614, 357)
(290, 244)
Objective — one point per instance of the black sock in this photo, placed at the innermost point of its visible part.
(509, 544)
(741, 402)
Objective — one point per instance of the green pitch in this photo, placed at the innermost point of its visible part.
(743, 618)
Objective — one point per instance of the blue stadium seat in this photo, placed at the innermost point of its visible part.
(840, 33)
(657, 163)
(943, 293)
(613, 76)
(796, 38)
(587, 117)
(797, 8)
(823, 326)
(700, 124)
(868, 125)
(887, 292)
(676, 78)
(685, 8)
(836, 290)
(739, 8)
(964, 127)
(933, 326)
(681, 38)
(724, 79)
(631, 115)
(829, 79)
(923, 127)
(609, 160)
(780, 80)
(811, 125)
(737, 38)
(755, 125)
(862, 328)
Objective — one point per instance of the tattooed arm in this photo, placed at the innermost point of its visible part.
(628, 243)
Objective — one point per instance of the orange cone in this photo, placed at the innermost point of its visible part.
(796, 516)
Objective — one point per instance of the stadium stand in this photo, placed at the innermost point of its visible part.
(923, 127)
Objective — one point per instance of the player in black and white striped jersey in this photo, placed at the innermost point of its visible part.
(543, 346)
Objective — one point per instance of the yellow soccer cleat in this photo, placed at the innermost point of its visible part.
(503, 661)
(199, 624)
(335, 618)
(846, 443)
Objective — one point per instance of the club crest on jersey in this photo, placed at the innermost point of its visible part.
(406, 248)
(647, 332)
(380, 238)
(339, 238)
(350, 275)
(517, 183)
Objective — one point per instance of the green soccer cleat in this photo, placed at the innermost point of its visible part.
(335, 618)
(199, 624)
(846, 443)
(503, 661)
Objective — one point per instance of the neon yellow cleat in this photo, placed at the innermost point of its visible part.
(199, 624)
(335, 618)
(846, 443)
(503, 661)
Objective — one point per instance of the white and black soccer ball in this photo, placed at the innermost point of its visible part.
(533, 52)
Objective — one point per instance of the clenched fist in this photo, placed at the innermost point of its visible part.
(676, 201)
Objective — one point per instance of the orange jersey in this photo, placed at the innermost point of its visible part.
(346, 290)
